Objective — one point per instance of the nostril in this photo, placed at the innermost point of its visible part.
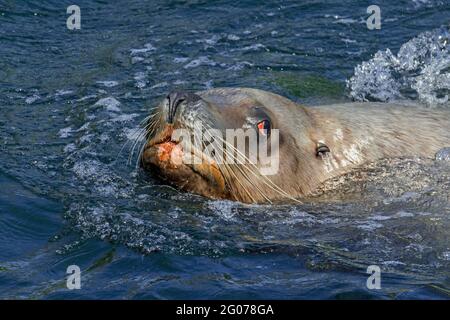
(175, 99)
(179, 101)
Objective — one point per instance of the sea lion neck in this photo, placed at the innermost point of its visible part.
(319, 124)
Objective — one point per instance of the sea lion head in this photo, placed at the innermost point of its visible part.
(213, 163)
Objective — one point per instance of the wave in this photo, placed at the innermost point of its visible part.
(419, 71)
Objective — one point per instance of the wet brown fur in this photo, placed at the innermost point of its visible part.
(356, 133)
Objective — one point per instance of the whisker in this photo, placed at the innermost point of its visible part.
(245, 176)
(146, 130)
(229, 170)
(260, 177)
(130, 140)
(136, 141)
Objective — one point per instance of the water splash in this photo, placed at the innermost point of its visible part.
(419, 71)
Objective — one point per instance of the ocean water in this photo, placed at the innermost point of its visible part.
(71, 102)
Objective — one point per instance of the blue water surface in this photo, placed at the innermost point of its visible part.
(71, 99)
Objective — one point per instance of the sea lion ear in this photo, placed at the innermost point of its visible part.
(322, 149)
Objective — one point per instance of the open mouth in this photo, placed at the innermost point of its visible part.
(170, 154)
(167, 146)
(162, 149)
(163, 137)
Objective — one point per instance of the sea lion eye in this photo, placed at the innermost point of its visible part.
(264, 127)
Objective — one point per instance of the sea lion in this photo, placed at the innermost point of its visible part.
(315, 143)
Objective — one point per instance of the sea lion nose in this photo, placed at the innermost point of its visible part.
(175, 99)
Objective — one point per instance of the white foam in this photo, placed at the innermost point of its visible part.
(135, 60)
(125, 117)
(445, 256)
(224, 208)
(63, 92)
(148, 47)
(404, 214)
(199, 62)
(393, 263)
(210, 41)
(379, 218)
(87, 138)
(253, 47)
(233, 37)
(111, 104)
(421, 65)
(239, 66)
(69, 148)
(160, 85)
(179, 82)
(369, 226)
(140, 79)
(108, 84)
(92, 96)
(65, 132)
(346, 21)
(35, 97)
(180, 60)
(443, 154)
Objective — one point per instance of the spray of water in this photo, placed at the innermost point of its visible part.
(419, 71)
